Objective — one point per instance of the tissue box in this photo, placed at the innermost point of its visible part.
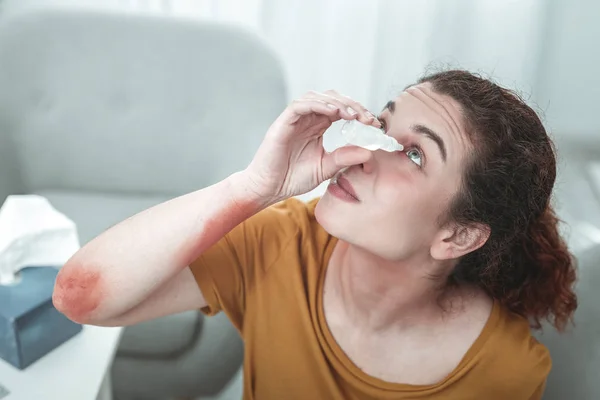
(30, 326)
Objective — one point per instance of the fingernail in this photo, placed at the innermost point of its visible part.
(370, 116)
(331, 105)
(351, 111)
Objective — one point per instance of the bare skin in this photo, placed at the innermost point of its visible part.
(422, 347)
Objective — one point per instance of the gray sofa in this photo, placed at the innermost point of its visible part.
(108, 113)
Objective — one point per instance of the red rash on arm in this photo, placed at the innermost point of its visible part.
(215, 228)
(80, 289)
(77, 292)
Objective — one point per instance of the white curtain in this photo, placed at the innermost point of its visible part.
(371, 49)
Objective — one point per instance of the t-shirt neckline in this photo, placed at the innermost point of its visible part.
(341, 361)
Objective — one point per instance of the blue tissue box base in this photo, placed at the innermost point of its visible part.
(30, 326)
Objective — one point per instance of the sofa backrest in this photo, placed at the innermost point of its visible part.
(106, 101)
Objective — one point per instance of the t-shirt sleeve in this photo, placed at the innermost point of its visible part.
(538, 369)
(539, 391)
(227, 271)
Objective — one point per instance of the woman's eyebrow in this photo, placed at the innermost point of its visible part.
(430, 134)
(391, 106)
(421, 129)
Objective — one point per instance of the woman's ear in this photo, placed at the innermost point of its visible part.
(455, 241)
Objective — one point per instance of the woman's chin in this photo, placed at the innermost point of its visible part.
(331, 217)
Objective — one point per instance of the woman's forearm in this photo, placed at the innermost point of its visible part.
(121, 267)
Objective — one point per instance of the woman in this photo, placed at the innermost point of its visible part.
(416, 276)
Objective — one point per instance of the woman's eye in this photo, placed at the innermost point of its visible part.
(415, 156)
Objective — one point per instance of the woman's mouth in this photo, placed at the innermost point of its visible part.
(341, 188)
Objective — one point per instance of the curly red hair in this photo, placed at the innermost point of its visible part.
(507, 185)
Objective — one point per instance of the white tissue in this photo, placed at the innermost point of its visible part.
(33, 233)
(369, 137)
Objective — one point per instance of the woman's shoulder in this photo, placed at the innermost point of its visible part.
(289, 215)
(297, 207)
(514, 352)
(514, 330)
(292, 221)
(298, 212)
(303, 249)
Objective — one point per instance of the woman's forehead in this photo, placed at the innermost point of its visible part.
(423, 94)
(420, 105)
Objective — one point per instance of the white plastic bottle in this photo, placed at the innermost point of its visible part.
(369, 137)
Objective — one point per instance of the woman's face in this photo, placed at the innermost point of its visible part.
(402, 195)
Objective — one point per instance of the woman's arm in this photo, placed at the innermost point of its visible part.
(137, 269)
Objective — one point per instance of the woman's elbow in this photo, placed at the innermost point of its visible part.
(78, 292)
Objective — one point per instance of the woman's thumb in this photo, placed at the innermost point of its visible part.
(344, 157)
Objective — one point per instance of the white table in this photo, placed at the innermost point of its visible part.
(74, 370)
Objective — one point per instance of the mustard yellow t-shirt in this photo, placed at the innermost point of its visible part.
(267, 275)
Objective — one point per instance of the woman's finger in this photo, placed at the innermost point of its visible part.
(364, 115)
(346, 111)
(342, 157)
(305, 106)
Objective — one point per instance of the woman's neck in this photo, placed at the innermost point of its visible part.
(379, 295)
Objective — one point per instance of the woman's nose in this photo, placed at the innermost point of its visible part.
(369, 165)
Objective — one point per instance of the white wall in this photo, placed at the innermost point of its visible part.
(568, 86)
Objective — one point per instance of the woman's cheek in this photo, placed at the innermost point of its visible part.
(397, 190)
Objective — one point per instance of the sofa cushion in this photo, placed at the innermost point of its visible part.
(93, 213)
